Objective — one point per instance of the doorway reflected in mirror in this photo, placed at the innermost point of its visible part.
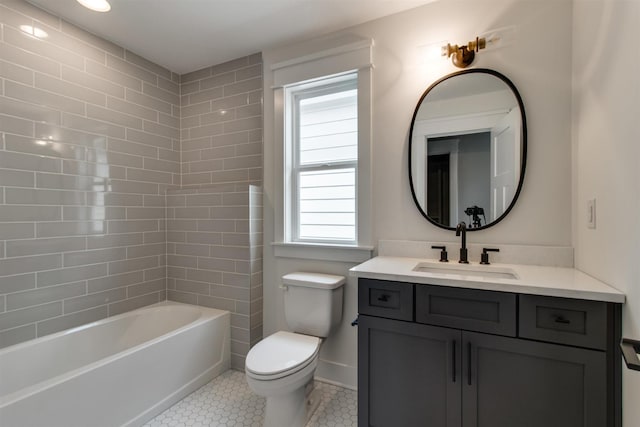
(468, 149)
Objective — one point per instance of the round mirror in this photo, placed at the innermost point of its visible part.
(467, 149)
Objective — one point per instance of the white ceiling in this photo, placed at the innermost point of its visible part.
(186, 35)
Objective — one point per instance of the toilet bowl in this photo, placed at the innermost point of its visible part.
(281, 366)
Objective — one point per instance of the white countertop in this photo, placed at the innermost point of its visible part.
(534, 280)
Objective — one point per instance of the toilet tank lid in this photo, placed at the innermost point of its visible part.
(313, 280)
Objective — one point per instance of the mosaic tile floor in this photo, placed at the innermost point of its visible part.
(227, 401)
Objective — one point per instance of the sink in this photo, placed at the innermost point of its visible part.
(466, 271)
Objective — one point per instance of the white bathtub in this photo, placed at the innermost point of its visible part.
(120, 371)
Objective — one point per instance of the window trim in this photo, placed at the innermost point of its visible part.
(352, 57)
(322, 252)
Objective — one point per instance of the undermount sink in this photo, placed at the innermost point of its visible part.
(466, 271)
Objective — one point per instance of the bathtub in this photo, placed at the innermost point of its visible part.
(119, 371)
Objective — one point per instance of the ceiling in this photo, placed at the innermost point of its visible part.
(186, 35)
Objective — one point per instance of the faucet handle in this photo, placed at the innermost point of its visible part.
(443, 253)
(484, 256)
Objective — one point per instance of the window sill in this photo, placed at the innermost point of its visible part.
(322, 252)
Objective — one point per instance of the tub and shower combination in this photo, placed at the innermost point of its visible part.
(120, 371)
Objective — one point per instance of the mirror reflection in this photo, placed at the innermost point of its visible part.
(467, 149)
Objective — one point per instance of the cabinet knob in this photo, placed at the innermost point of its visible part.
(383, 298)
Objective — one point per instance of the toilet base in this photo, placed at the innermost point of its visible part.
(293, 409)
(312, 400)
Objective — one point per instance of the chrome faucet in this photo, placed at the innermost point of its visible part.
(462, 229)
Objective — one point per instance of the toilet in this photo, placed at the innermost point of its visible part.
(281, 366)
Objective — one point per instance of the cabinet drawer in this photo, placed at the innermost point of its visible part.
(566, 321)
(469, 309)
(393, 300)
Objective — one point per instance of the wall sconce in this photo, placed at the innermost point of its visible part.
(463, 56)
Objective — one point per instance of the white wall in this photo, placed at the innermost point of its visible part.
(606, 156)
(539, 64)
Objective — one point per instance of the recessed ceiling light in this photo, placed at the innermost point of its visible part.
(34, 31)
(97, 5)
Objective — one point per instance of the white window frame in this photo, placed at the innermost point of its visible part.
(348, 58)
(293, 96)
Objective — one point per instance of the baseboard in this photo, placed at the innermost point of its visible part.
(337, 373)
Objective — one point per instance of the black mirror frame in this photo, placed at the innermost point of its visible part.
(524, 144)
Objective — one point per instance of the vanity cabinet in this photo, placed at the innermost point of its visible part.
(437, 356)
(511, 382)
(408, 380)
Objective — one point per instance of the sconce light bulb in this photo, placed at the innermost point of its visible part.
(433, 51)
(493, 40)
(449, 49)
(500, 37)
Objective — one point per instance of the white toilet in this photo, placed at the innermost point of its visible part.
(281, 366)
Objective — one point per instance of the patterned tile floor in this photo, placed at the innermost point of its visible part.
(227, 401)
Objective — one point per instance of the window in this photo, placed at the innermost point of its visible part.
(322, 160)
(321, 194)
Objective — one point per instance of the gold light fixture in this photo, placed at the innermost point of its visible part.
(463, 56)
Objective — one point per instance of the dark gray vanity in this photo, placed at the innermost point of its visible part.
(468, 344)
(437, 356)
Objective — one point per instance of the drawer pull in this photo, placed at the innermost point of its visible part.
(561, 319)
(454, 360)
(630, 351)
(383, 298)
(469, 363)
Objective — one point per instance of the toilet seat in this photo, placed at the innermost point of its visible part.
(281, 354)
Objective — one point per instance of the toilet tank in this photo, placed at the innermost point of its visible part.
(313, 302)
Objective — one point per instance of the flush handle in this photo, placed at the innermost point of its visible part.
(561, 319)
(383, 298)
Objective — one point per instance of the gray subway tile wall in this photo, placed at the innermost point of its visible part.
(89, 143)
(214, 225)
(213, 262)
(221, 109)
(122, 183)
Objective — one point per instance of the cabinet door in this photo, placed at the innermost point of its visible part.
(511, 382)
(408, 374)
